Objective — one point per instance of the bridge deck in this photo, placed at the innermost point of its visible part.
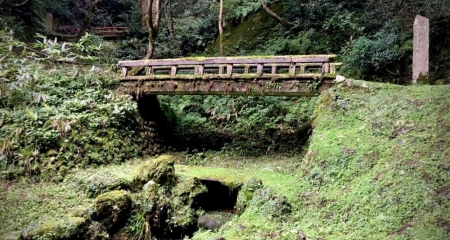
(257, 75)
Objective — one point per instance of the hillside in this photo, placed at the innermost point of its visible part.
(377, 167)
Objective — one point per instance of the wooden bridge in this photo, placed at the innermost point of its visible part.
(301, 75)
(109, 32)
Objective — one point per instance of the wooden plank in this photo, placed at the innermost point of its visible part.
(240, 77)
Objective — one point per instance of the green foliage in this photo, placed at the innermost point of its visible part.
(254, 124)
(365, 57)
(69, 119)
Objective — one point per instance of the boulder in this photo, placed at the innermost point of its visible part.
(111, 209)
(246, 193)
(160, 171)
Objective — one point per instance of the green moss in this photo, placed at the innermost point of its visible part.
(246, 193)
(104, 179)
(248, 34)
(112, 208)
(70, 228)
(160, 170)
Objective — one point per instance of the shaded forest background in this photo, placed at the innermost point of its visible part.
(372, 38)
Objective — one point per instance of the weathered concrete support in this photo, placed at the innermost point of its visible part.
(256, 87)
(153, 122)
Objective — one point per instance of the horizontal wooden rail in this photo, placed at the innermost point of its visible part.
(175, 76)
(109, 31)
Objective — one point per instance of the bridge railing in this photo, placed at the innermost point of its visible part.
(287, 67)
(109, 31)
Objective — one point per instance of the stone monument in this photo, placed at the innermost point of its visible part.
(49, 21)
(420, 49)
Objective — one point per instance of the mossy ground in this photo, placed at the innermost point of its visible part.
(378, 166)
(247, 35)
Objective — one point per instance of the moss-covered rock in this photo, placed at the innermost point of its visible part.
(184, 197)
(160, 171)
(111, 209)
(269, 204)
(70, 228)
(246, 193)
(102, 181)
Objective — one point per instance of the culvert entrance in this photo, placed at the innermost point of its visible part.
(218, 202)
(219, 206)
(219, 197)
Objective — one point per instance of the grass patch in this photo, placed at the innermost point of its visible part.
(23, 203)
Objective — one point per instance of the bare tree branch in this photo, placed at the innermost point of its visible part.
(19, 4)
(274, 15)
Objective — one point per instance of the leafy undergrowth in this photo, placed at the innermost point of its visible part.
(56, 116)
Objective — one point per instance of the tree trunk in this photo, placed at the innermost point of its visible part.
(169, 19)
(19, 4)
(87, 20)
(222, 52)
(274, 15)
(152, 25)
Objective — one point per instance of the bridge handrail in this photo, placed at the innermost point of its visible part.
(226, 64)
(109, 31)
(229, 60)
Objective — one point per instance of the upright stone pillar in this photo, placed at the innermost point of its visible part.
(420, 48)
(49, 21)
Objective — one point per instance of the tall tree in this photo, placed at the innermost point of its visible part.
(87, 20)
(274, 15)
(151, 21)
(222, 53)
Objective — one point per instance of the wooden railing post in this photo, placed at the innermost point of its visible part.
(292, 69)
(199, 70)
(259, 69)
(229, 69)
(124, 71)
(173, 71)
